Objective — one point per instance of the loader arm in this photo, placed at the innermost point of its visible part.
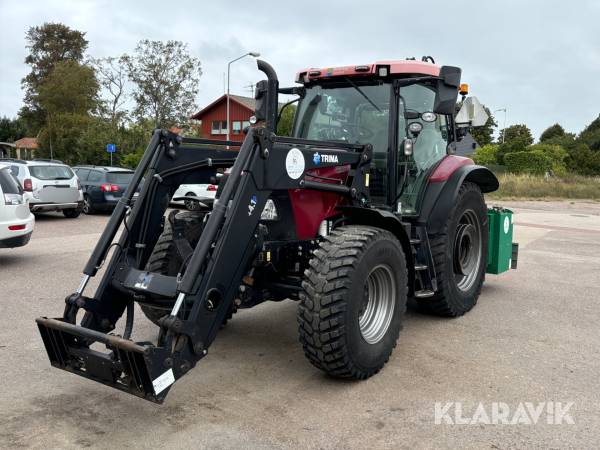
(225, 252)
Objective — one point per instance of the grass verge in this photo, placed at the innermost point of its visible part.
(513, 186)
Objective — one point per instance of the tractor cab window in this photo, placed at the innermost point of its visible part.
(350, 111)
(429, 132)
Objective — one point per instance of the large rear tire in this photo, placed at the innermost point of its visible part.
(352, 303)
(460, 254)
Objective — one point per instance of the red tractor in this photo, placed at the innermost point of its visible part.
(364, 207)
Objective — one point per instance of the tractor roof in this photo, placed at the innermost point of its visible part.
(399, 67)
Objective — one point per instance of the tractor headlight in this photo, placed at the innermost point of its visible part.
(270, 211)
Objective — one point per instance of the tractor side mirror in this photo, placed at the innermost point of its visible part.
(407, 147)
(447, 90)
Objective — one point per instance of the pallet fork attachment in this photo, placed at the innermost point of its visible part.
(226, 249)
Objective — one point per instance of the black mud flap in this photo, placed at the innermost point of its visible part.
(132, 367)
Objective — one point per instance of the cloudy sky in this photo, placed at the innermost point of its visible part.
(539, 59)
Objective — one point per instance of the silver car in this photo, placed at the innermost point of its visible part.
(48, 186)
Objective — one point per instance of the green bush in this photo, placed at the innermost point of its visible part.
(557, 156)
(584, 161)
(132, 159)
(486, 155)
(535, 162)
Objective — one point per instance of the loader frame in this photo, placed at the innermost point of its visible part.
(230, 241)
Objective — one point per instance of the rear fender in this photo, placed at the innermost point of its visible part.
(387, 221)
(441, 194)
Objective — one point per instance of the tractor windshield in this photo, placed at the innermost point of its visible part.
(346, 112)
(354, 112)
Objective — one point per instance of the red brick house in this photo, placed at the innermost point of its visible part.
(214, 117)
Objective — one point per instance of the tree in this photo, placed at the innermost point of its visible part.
(590, 136)
(112, 76)
(48, 45)
(284, 127)
(131, 141)
(166, 81)
(566, 141)
(584, 161)
(70, 88)
(485, 135)
(555, 153)
(11, 130)
(554, 131)
(516, 135)
(515, 138)
(60, 137)
(68, 96)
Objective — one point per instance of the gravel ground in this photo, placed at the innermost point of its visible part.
(533, 337)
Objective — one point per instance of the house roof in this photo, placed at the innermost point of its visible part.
(247, 102)
(27, 142)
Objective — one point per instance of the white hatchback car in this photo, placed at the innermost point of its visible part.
(16, 221)
(203, 191)
(48, 186)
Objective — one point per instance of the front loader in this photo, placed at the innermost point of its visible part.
(363, 208)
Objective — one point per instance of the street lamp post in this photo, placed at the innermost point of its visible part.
(253, 54)
(504, 127)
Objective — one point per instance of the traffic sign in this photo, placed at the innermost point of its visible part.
(111, 148)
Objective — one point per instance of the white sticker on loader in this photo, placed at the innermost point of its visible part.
(294, 163)
(506, 225)
(163, 381)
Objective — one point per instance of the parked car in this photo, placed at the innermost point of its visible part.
(16, 221)
(204, 191)
(103, 186)
(49, 186)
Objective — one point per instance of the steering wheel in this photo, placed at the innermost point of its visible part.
(362, 131)
(328, 131)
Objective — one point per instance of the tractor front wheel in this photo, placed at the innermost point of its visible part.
(165, 260)
(459, 254)
(352, 303)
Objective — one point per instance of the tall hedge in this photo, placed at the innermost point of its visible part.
(535, 162)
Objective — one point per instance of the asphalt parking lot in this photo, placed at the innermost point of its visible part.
(533, 337)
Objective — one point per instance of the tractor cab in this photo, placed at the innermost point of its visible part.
(404, 109)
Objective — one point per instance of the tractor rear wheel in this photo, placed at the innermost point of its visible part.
(352, 302)
(460, 254)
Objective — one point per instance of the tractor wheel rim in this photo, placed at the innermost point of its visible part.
(468, 250)
(380, 299)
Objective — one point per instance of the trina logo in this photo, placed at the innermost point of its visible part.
(323, 158)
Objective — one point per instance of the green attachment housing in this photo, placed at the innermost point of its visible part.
(500, 245)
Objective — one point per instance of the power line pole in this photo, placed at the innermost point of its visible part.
(254, 55)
